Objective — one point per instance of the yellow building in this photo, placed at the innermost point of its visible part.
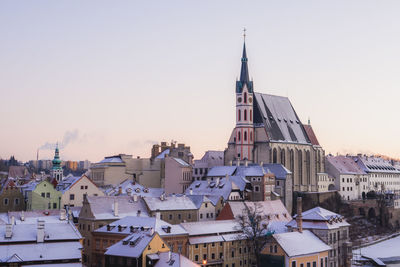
(296, 249)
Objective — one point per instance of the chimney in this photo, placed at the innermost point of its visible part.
(261, 164)
(40, 231)
(135, 197)
(230, 163)
(116, 207)
(299, 218)
(246, 163)
(139, 212)
(63, 214)
(12, 220)
(22, 218)
(9, 228)
(169, 256)
(191, 191)
(120, 190)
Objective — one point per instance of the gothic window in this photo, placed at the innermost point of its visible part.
(245, 114)
(300, 166)
(274, 156)
(239, 136)
(239, 115)
(245, 135)
(251, 115)
(308, 168)
(251, 136)
(283, 157)
(245, 98)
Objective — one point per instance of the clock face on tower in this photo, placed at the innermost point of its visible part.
(239, 99)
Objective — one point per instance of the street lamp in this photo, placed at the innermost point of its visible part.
(204, 262)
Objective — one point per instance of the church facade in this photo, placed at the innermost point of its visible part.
(268, 130)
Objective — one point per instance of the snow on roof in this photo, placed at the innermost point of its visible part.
(63, 230)
(131, 246)
(345, 165)
(293, 243)
(158, 225)
(206, 239)
(42, 251)
(320, 218)
(30, 217)
(162, 154)
(134, 188)
(66, 183)
(176, 260)
(221, 171)
(175, 202)
(386, 249)
(211, 227)
(250, 170)
(278, 170)
(182, 162)
(114, 159)
(375, 164)
(102, 207)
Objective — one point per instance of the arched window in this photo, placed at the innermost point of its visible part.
(239, 115)
(274, 156)
(251, 115)
(308, 167)
(245, 136)
(283, 157)
(245, 114)
(300, 166)
(251, 136)
(238, 136)
(245, 98)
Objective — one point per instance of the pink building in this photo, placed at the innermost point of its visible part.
(178, 175)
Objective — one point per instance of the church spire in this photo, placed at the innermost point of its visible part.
(244, 71)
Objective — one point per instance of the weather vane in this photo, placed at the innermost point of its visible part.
(244, 34)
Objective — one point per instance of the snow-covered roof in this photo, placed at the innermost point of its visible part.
(115, 159)
(375, 164)
(293, 243)
(206, 239)
(211, 227)
(221, 171)
(102, 207)
(278, 170)
(174, 202)
(320, 218)
(67, 183)
(158, 225)
(344, 165)
(131, 246)
(41, 251)
(182, 162)
(162, 154)
(176, 260)
(200, 199)
(63, 230)
(130, 187)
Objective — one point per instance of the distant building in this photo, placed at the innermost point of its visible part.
(130, 187)
(74, 188)
(18, 172)
(174, 235)
(268, 130)
(202, 166)
(111, 170)
(41, 195)
(40, 242)
(177, 151)
(178, 175)
(56, 170)
(11, 197)
(349, 179)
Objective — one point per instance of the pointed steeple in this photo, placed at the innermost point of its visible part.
(244, 71)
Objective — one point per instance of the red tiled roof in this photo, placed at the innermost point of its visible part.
(311, 134)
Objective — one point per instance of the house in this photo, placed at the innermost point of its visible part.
(208, 206)
(11, 197)
(202, 166)
(73, 189)
(168, 259)
(130, 187)
(218, 243)
(41, 195)
(296, 249)
(178, 175)
(330, 227)
(138, 249)
(99, 211)
(174, 235)
(40, 241)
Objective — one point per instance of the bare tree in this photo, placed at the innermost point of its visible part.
(253, 225)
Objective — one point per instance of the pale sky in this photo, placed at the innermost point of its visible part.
(116, 76)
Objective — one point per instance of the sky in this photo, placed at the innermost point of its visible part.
(108, 77)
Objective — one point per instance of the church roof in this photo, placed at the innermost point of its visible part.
(279, 118)
(311, 135)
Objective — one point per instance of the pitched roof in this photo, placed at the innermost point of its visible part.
(17, 172)
(176, 260)
(175, 202)
(311, 135)
(345, 165)
(211, 227)
(220, 171)
(131, 246)
(102, 207)
(128, 186)
(293, 243)
(279, 118)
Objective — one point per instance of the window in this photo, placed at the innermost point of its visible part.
(276, 249)
(86, 187)
(204, 245)
(88, 227)
(245, 97)
(54, 205)
(213, 244)
(293, 263)
(245, 114)
(314, 264)
(233, 254)
(308, 264)
(251, 116)
(256, 188)
(220, 244)
(196, 257)
(204, 256)
(196, 246)
(48, 194)
(201, 215)
(322, 262)
(71, 197)
(81, 186)
(170, 216)
(245, 136)
(239, 115)
(238, 136)
(213, 256)
(43, 194)
(221, 255)
(179, 216)
(16, 201)
(5, 201)
(49, 205)
(189, 216)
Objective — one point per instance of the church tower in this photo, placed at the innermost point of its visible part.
(57, 171)
(244, 130)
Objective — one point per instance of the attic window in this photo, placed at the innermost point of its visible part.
(221, 185)
(291, 121)
(197, 185)
(285, 120)
(271, 118)
(212, 185)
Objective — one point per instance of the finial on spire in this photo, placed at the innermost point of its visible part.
(244, 34)
(309, 121)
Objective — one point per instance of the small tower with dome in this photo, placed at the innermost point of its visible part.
(57, 171)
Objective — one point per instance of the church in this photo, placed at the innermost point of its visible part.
(268, 130)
